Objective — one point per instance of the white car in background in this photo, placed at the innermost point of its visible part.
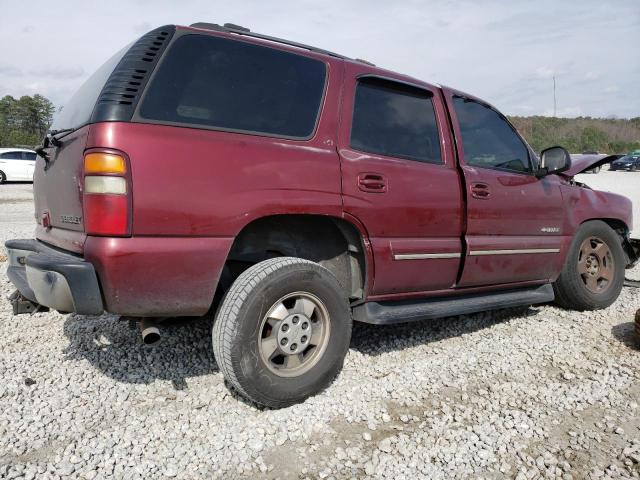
(17, 164)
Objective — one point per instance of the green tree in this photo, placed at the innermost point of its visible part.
(24, 121)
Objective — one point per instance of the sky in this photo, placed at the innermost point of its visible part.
(506, 52)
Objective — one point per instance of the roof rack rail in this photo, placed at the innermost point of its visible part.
(230, 27)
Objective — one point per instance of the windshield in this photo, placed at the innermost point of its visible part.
(77, 110)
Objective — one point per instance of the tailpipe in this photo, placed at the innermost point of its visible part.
(149, 331)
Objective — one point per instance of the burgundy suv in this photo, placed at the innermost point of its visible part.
(291, 190)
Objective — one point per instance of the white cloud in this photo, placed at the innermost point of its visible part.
(503, 52)
(544, 72)
(59, 73)
(10, 71)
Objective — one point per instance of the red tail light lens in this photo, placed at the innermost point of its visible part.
(106, 195)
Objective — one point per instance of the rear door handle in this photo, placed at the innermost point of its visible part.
(372, 183)
(480, 190)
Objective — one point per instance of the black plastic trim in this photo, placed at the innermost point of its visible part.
(389, 313)
(79, 274)
(122, 91)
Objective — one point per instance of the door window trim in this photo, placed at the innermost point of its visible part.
(529, 172)
(432, 96)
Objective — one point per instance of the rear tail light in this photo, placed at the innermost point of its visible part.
(106, 195)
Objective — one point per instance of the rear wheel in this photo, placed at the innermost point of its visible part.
(282, 331)
(593, 273)
(3, 177)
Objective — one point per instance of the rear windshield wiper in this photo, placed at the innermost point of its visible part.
(55, 136)
(52, 138)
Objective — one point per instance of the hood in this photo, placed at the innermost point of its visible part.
(582, 162)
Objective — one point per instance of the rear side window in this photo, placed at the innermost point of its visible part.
(488, 140)
(28, 156)
(232, 85)
(396, 120)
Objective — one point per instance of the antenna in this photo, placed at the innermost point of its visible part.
(554, 96)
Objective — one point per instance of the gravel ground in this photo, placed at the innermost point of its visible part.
(528, 393)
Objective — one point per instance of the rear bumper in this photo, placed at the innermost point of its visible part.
(53, 278)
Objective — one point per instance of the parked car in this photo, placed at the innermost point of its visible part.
(628, 162)
(17, 164)
(292, 190)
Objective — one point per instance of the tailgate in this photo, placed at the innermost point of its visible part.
(57, 193)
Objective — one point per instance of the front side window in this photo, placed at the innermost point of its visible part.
(395, 120)
(10, 155)
(237, 86)
(488, 140)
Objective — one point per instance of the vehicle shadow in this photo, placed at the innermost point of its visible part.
(377, 339)
(185, 351)
(116, 349)
(625, 333)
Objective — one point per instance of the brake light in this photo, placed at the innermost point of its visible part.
(106, 195)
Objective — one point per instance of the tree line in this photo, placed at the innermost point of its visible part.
(580, 134)
(25, 121)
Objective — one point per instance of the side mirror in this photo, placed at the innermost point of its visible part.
(553, 160)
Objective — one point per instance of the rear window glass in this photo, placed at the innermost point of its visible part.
(396, 120)
(237, 86)
(77, 110)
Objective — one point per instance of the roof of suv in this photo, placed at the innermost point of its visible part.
(237, 29)
(230, 28)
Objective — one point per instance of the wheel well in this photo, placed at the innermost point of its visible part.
(332, 242)
(617, 225)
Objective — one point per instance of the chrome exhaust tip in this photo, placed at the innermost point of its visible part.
(149, 331)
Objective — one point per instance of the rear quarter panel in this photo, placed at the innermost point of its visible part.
(193, 190)
(193, 182)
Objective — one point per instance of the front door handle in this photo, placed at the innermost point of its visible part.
(480, 190)
(372, 183)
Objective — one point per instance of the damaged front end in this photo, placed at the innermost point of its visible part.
(632, 250)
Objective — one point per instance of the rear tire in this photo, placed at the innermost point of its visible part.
(593, 273)
(3, 177)
(273, 309)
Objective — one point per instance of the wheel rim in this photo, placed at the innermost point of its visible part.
(596, 266)
(294, 334)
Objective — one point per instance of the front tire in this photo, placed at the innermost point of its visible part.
(3, 177)
(593, 273)
(282, 331)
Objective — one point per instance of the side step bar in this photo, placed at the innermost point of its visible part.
(388, 313)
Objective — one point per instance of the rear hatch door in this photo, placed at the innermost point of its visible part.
(57, 189)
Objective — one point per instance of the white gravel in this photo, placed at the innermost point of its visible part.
(526, 393)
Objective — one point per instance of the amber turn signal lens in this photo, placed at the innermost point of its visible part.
(104, 163)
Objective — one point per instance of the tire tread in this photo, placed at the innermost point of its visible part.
(227, 319)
